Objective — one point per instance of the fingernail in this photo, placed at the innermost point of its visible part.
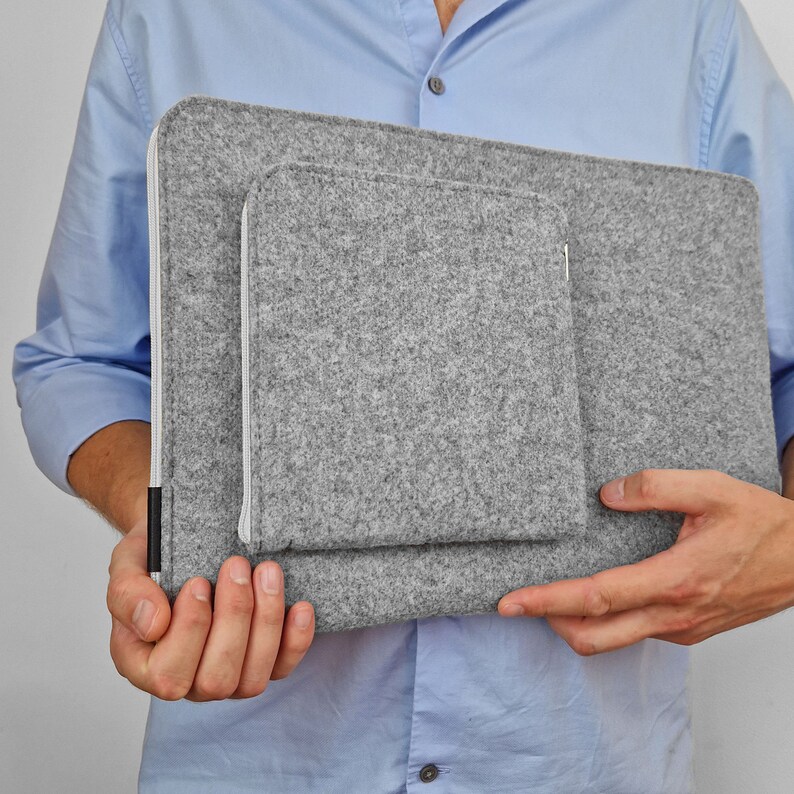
(240, 571)
(143, 617)
(512, 610)
(200, 589)
(270, 579)
(613, 490)
(303, 618)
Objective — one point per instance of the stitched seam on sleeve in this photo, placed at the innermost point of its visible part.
(715, 73)
(129, 66)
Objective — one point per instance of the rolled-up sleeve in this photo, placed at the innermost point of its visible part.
(87, 364)
(749, 130)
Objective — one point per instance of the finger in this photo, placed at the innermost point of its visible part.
(172, 664)
(264, 638)
(694, 491)
(221, 663)
(146, 664)
(133, 597)
(130, 653)
(660, 578)
(589, 636)
(716, 624)
(295, 639)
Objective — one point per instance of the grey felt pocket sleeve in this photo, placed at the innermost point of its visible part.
(409, 372)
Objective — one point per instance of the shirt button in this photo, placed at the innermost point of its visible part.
(436, 85)
(428, 773)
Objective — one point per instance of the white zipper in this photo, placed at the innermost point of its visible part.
(153, 195)
(244, 525)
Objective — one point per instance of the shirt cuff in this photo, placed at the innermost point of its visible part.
(72, 403)
(783, 408)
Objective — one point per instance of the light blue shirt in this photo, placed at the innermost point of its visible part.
(496, 704)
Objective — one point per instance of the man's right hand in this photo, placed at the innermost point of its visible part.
(197, 651)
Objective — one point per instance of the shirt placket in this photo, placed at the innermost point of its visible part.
(439, 688)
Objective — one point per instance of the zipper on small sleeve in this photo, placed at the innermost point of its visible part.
(244, 524)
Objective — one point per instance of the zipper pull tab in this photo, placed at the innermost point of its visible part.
(565, 254)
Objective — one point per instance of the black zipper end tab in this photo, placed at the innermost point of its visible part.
(153, 531)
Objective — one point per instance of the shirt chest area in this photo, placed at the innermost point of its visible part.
(519, 73)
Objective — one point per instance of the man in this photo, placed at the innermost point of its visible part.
(591, 698)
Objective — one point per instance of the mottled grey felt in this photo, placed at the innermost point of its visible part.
(670, 341)
(411, 363)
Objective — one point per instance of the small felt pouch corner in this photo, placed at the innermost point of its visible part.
(409, 372)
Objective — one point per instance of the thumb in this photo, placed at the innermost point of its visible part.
(692, 491)
(133, 597)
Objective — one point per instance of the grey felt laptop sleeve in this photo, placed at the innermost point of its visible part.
(402, 362)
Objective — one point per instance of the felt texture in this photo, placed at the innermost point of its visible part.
(669, 338)
(412, 374)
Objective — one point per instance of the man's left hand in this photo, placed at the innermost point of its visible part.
(732, 564)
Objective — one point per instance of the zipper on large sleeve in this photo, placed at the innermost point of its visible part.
(153, 522)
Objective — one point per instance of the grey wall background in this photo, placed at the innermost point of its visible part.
(68, 721)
